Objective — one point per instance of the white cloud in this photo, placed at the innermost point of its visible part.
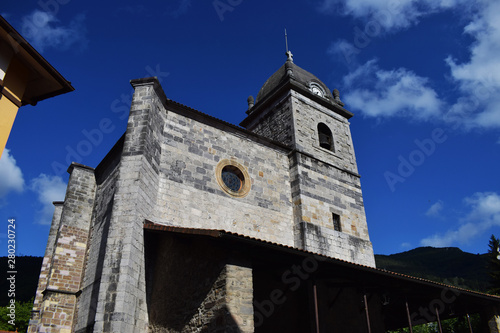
(42, 30)
(485, 207)
(461, 235)
(484, 214)
(389, 15)
(405, 245)
(48, 189)
(435, 209)
(398, 92)
(479, 78)
(11, 176)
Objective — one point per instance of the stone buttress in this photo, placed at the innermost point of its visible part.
(120, 298)
(63, 263)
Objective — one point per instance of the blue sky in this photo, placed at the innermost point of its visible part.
(422, 78)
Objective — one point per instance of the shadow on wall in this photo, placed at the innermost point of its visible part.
(95, 283)
(185, 285)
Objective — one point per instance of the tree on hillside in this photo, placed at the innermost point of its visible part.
(21, 319)
(494, 264)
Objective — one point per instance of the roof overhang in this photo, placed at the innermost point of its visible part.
(45, 81)
(400, 290)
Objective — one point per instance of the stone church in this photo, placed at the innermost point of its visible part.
(192, 224)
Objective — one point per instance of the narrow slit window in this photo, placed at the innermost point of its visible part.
(336, 222)
(325, 137)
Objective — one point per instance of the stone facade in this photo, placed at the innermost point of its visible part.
(191, 151)
(168, 168)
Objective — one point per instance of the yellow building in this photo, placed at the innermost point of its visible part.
(25, 78)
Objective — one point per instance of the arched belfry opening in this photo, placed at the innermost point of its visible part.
(325, 137)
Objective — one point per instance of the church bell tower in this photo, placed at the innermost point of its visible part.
(296, 109)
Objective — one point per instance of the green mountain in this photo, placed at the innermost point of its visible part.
(448, 265)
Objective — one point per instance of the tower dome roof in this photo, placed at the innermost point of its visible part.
(290, 71)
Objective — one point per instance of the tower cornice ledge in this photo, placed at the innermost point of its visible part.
(261, 106)
(78, 165)
(297, 151)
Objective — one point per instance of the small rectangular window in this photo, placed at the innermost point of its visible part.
(336, 222)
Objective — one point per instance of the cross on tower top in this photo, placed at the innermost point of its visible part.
(288, 53)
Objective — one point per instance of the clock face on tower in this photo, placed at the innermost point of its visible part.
(316, 89)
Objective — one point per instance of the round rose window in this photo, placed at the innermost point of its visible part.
(233, 178)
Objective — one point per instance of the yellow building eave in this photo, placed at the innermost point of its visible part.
(44, 80)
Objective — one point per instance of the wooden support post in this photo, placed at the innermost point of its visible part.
(409, 317)
(367, 314)
(438, 320)
(470, 326)
(316, 310)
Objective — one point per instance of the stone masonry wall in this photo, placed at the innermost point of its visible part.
(57, 313)
(67, 264)
(336, 244)
(324, 190)
(307, 116)
(277, 122)
(57, 309)
(239, 296)
(320, 190)
(46, 264)
(59, 301)
(191, 151)
(106, 177)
